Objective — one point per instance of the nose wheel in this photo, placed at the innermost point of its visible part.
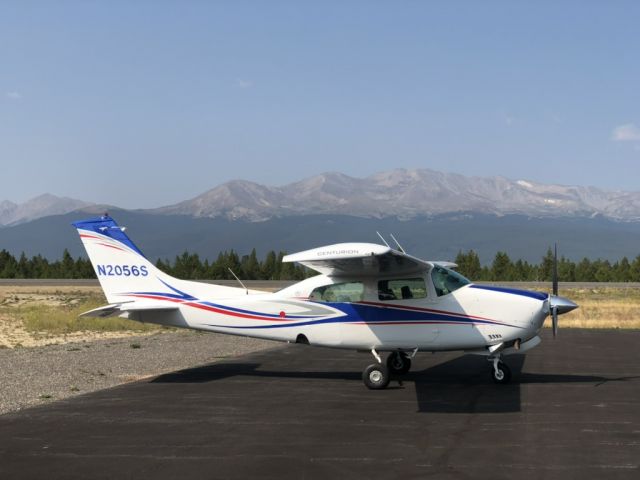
(500, 372)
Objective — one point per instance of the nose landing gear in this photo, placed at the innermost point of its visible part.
(500, 372)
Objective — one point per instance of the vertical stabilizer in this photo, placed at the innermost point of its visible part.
(126, 275)
(119, 265)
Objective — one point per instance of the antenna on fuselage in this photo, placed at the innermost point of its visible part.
(239, 281)
(382, 238)
(398, 243)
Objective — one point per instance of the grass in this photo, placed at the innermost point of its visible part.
(602, 307)
(61, 319)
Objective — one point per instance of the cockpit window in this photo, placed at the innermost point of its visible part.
(338, 292)
(446, 281)
(402, 289)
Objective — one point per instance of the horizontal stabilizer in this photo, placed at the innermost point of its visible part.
(117, 309)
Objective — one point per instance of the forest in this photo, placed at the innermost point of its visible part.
(250, 267)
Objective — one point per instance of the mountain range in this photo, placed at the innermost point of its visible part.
(406, 194)
(433, 214)
(400, 193)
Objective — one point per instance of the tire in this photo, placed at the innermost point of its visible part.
(503, 375)
(398, 363)
(376, 376)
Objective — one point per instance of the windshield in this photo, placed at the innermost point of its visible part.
(446, 281)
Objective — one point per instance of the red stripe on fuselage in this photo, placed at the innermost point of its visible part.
(211, 309)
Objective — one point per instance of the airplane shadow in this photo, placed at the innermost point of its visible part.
(208, 373)
(218, 371)
(464, 385)
(460, 385)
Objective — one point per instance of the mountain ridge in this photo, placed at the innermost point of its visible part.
(402, 193)
(38, 207)
(406, 194)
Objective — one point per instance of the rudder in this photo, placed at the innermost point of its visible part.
(118, 263)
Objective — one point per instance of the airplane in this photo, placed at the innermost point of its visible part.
(367, 297)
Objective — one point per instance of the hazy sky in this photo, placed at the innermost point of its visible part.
(145, 103)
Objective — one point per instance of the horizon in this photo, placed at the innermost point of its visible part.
(147, 100)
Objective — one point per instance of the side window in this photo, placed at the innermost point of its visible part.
(401, 289)
(338, 292)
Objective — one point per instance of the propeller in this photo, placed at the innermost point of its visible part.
(554, 280)
(557, 304)
(555, 269)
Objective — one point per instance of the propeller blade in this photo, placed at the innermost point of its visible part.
(555, 269)
(554, 319)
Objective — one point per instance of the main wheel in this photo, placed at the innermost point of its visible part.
(502, 375)
(398, 363)
(376, 376)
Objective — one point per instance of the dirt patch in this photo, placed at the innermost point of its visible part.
(14, 335)
(16, 299)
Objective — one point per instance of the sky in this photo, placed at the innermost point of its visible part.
(146, 103)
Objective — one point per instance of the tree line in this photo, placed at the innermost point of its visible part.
(504, 269)
(187, 266)
(249, 267)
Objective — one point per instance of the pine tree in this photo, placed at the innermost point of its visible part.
(622, 270)
(251, 266)
(9, 265)
(23, 270)
(634, 270)
(502, 268)
(68, 265)
(566, 270)
(545, 272)
(269, 266)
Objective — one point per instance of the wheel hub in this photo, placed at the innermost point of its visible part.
(375, 376)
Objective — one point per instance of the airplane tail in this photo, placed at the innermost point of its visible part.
(126, 275)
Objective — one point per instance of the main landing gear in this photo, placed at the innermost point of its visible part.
(398, 363)
(377, 375)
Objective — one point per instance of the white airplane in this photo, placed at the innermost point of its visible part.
(368, 297)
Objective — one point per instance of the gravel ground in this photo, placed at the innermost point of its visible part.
(33, 376)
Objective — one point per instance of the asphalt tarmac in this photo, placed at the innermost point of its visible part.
(572, 411)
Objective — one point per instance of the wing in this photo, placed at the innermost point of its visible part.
(117, 309)
(346, 259)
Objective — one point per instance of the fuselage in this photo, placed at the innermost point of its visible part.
(354, 313)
